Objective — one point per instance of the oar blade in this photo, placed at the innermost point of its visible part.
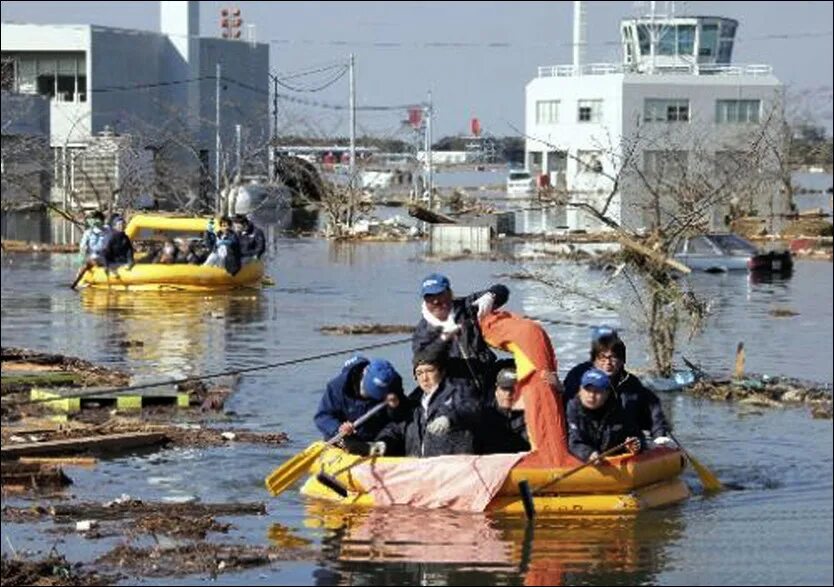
(707, 477)
(293, 469)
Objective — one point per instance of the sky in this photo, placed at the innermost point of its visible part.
(474, 57)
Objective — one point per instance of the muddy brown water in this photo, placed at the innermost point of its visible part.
(777, 531)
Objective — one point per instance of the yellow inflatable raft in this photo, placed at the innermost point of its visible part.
(624, 484)
(182, 277)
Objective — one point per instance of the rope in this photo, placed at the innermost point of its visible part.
(215, 375)
(120, 390)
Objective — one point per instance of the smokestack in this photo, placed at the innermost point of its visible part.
(579, 36)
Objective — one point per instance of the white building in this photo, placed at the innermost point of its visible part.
(157, 87)
(676, 100)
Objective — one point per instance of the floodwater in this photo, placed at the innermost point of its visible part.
(778, 530)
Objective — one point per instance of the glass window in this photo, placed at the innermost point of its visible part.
(645, 39)
(590, 111)
(663, 110)
(737, 111)
(733, 244)
(725, 52)
(547, 112)
(700, 245)
(667, 43)
(709, 38)
(686, 39)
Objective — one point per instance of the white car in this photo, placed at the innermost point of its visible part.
(520, 182)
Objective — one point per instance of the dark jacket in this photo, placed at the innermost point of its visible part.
(252, 242)
(341, 402)
(503, 431)
(631, 392)
(426, 338)
(572, 380)
(453, 399)
(599, 430)
(231, 242)
(118, 249)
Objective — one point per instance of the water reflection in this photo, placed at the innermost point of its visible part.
(405, 546)
(176, 332)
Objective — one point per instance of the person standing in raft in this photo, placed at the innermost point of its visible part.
(449, 328)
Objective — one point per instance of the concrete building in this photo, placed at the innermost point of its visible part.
(674, 102)
(155, 89)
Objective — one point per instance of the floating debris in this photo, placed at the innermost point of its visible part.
(200, 557)
(783, 312)
(52, 570)
(357, 329)
(33, 476)
(766, 391)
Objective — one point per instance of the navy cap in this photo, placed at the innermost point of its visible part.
(506, 379)
(596, 379)
(435, 284)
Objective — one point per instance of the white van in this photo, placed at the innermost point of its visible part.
(520, 182)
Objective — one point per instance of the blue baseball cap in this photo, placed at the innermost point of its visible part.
(596, 379)
(435, 284)
(598, 332)
(378, 379)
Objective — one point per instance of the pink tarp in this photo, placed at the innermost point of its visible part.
(456, 482)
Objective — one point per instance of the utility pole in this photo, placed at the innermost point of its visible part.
(217, 139)
(238, 153)
(352, 120)
(429, 170)
(274, 106)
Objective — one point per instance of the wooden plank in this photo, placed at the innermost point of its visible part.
(65, 461)
(652, 254)
(107, 442)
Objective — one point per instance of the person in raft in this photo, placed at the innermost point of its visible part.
(608, 354)
(596, 420)
(360, 385)
(503, 429)
(444, 417)
(449, 328)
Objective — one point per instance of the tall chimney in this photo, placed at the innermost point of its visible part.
(579, 36)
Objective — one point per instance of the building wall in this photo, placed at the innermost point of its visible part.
(701, 137)
(244, 98)
(622, 126)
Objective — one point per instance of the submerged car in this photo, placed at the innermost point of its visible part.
(520, 181)
(718, 253)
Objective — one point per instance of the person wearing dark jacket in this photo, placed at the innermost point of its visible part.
(252, 239)
(596, 420)
(224, 246)
(449, 328)
(608, 354)
(118, 250)
(359, 387)
(444, 417)
(503, 429)
(572, 379)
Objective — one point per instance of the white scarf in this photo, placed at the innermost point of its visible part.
(447, 325)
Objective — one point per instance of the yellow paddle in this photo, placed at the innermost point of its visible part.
(294, 468)
(707, 477)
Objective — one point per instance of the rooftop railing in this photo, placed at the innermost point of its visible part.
(659, 69)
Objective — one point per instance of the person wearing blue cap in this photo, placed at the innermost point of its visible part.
(449, 328)
(596, 420)
(445, 414)
(361, 385)
(608, 354)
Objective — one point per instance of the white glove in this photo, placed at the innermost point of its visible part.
(484, 304)
(376, 449)
(449, 329)
(439, 426)
(664, 441)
